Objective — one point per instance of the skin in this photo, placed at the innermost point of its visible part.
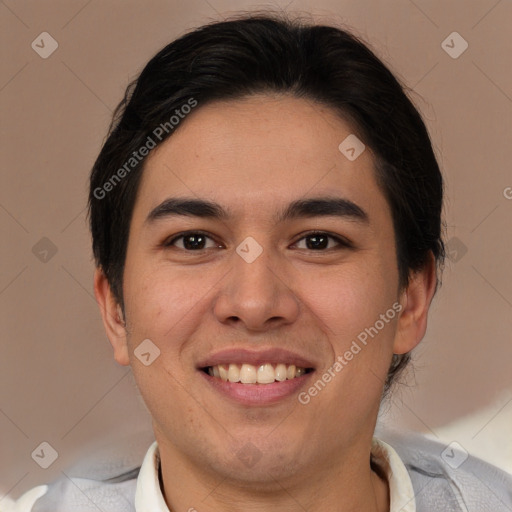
(254, 156)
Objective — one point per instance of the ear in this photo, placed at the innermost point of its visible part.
(112, 317)
(415, 301)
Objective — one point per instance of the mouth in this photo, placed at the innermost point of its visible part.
(246, 373)
(257, 378)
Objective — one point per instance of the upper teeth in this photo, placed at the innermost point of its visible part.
(250, 374)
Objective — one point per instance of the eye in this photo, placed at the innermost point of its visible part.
(319, 240)
(191, 241)
(195, 241)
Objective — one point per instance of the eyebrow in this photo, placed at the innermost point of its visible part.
(301, 208)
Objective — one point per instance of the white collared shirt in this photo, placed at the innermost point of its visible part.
(149, 498)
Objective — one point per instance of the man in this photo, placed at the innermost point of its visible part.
(266, 222)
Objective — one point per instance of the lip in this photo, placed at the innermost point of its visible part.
(256, 358)
(257, 394)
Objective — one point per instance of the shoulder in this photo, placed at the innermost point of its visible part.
(81, 495)
(447, 478)
(103, 478)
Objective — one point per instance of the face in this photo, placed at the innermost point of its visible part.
(261, 285)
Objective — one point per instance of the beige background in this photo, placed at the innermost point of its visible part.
(59, 382)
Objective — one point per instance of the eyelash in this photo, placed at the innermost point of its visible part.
(342, 242)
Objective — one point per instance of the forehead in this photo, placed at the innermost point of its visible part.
(249, 152)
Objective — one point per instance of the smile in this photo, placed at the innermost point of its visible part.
(251, 374)
(262, 377)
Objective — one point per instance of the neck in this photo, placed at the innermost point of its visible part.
(348, 488)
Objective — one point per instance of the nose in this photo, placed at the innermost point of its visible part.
(257, 295)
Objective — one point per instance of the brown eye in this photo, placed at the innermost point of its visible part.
(191, 241)
(318, 241)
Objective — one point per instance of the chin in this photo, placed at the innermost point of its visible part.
(260, 461)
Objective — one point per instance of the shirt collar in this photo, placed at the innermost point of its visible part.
(149, 497)
(401, 491)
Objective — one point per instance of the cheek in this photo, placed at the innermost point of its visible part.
(158, 301)
(161, 307)
(357, 307)
(351, 299)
